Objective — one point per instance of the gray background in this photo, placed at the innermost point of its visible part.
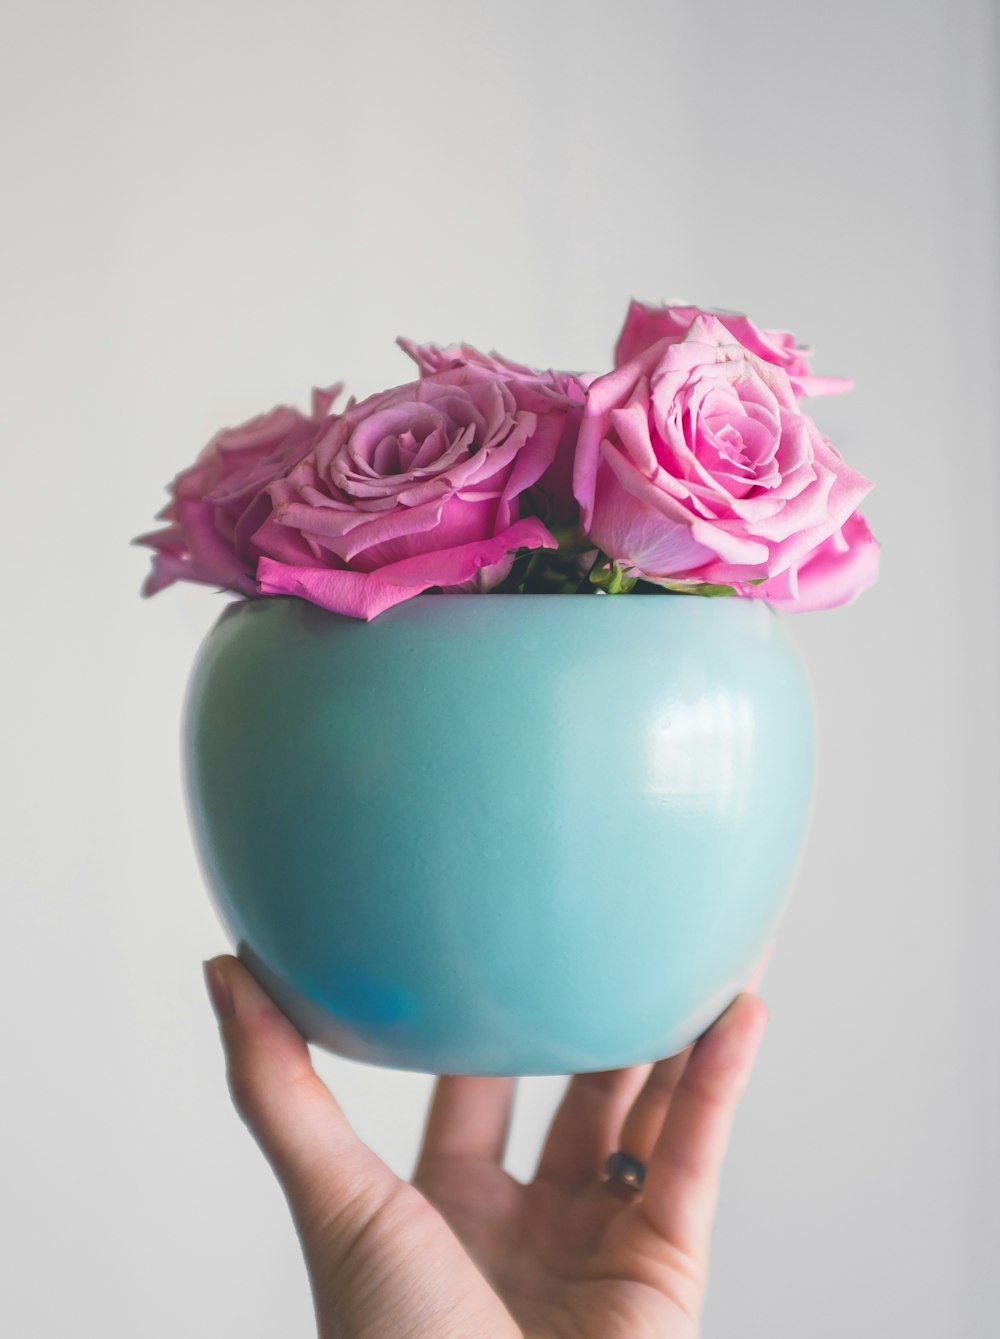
(209, 207)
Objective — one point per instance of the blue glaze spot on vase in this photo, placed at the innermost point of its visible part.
(361, 999)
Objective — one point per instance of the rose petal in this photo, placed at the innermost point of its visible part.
(453, 566)
(834, 573)
(646, 325)
(354, 594)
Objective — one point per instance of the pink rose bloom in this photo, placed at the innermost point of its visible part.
(834, 573)
(542, 391)
(218, 502)
(416, 487)
(696, 466)
(646, 325)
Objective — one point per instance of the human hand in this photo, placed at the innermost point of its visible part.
(466, 1251)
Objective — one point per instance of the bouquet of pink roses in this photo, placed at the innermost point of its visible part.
(688, 468)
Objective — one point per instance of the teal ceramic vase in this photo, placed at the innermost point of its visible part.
(501, 834)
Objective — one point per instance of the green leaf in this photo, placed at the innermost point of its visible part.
(714, 590)
(687, 587)
(610, 576)
(706, 588)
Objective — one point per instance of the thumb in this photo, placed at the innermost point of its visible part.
(331, 1179)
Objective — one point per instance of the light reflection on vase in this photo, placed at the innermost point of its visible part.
(700, 752)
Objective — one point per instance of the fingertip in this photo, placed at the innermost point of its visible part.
(746, 1011)
(219, 992)
(758, 1016)
(230, 968)
(735, 1036)
(754, 1008)
(237, 995)
(757, 975)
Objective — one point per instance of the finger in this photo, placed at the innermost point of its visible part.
(753, 985)
(683, 1175)
(469, 1117)
(587, 1124)
(320, 1162)
(644, 1121)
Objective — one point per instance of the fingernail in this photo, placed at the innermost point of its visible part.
(218, 992)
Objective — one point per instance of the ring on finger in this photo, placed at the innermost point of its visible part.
(624, 1170)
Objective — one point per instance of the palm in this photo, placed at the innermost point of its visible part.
(564, 1260)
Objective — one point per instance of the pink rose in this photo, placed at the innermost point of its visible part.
(834, 573)
(419, 486)
(696, 466)
(648, 325)
(220, 500)
(542, 391)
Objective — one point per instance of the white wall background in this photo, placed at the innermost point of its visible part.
(211, 206)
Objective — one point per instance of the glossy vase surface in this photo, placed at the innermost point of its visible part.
(514, 834)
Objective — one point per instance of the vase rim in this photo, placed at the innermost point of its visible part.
(258, 601)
